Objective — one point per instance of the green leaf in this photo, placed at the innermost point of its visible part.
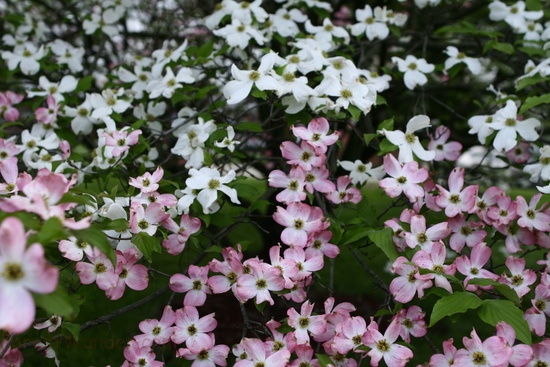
(82, 199)
(95, 237)
(506, 48)
(533, 5)
(504, 289)
(494, 310)
(526, 82)
(386, 147)
(84, 84)
(533, 102)
(118, 225)
(56, 303)
(386, 124)
(355, 112)
(251, 126)
(51, 230)
(380, 100)
(146, 244)
(458, 302)
(368, 138)
(354, 234)
(324, 360)
(73, 329)
(382, 238)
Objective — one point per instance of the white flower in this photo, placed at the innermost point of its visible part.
(371, 24)
(515, 15)
(209, 182)
(422, 3)
(237, 90)
(108, 101)
(361, 172)
(67, 54)
(82, 122)
(228, 142)
(409, 143)
(284, 21)
(26, 56)
(139, 77)
(327, 31)
(541, 169)
(414, 70)
(456, 57)
(67, 84)
(482, 126)
(508, 126)
(238, 34)
(106, 22)
(168, 85)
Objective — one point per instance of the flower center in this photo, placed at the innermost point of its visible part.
(303, 322)
(261, 284)
(213, 184)
(479, 358)
(13, 271)
(383, 345)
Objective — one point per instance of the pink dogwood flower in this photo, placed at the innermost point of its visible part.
(22, 270)
(157, 331)
(492, 352)
(300, 221)
(47, 115)
(194, 286)
(7, 100)
(129, 274)
(472, 267)
(257, 355)
(444, 150)
(119, 141)
(148, 182)
(257, 284)
(384, 346)
(304, 322)
(530, 217)
(404, 179)
(305, 156)
(191, 328)
(412, 323)
(316, 134)
(207, 354)
(456, 200)
(409, 282)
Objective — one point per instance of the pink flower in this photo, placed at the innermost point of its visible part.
(316, 134)
(119, 141)
(473, 267)
(318, 243)
(420, 236)
(258, 356)
(7, 100)
(293, 185)
(129, 274)
(529, 216)
(140, 355)
(175, 242)
(303, 322)
(195, 286)
(435, 261)
(412, 323)
(192, 329)
(148, 182)
(22, 271)
(465, 233)
(447, 359)
(303, 156)
(343, 193)
(404, 179)
(206, 354)
(155, 331)
(349, 334)
(257, 284)
(409, 282)
(521, 354)
(384, 346)
(146, 220)
(449, 151)
(520, 279)
(301, 220)
(99, 270)
(47, 115)
(456, 200)
(492, 352)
